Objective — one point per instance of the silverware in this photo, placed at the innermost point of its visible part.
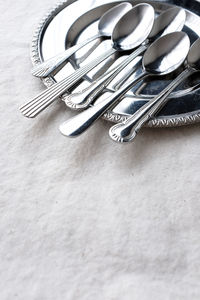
(171, 20)
(105, 29)
(126, 131)
(162, 57)
(131, 30)
(184, 106)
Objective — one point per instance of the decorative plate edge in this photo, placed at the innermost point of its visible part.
(179, 120)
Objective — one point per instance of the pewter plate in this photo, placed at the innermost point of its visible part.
(71, 21)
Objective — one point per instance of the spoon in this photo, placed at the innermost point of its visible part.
(131, 30)
(126, 131)
(162, 57)
(173, 19)
(105, 28)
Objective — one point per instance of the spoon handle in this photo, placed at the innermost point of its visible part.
(123, 79)
(80, 123)
(84, 98)
(48, 66)
(32, 108)
(126, 131)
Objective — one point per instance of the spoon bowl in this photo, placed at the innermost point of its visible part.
(111, 17)
(173, 19)
(166, 54)
(193, 58)
(133, 28)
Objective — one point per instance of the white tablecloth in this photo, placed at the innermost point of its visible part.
(87, 219)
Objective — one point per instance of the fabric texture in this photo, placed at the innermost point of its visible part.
(85, 219)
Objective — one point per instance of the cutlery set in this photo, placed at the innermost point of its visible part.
(135, 31)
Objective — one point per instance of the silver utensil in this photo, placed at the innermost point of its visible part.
(131, 30)
(171, 20)
(105, 28)
(184, 107)
(126, 132)
(162, 57)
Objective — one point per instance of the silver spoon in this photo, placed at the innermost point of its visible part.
(131, 30)
(170, 20)
(105, 28)
(162, 57)
(126, 132)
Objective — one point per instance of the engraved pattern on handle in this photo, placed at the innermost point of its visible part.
(80, 123)
(84, 98)
(32, 108)
(47, 67)
(125, 132)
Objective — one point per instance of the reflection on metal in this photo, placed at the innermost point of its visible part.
(50, 39)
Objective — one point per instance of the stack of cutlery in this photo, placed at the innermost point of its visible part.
(134, 30)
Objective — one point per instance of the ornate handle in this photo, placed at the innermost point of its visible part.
(80, 123)
(47, 67)
(126, 131)
(32, 108)
(84, 98)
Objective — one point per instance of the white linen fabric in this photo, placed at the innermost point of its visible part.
(85, 218)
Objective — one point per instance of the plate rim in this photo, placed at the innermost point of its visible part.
(162, 121)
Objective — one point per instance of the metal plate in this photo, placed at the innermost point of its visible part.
(74, 20)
